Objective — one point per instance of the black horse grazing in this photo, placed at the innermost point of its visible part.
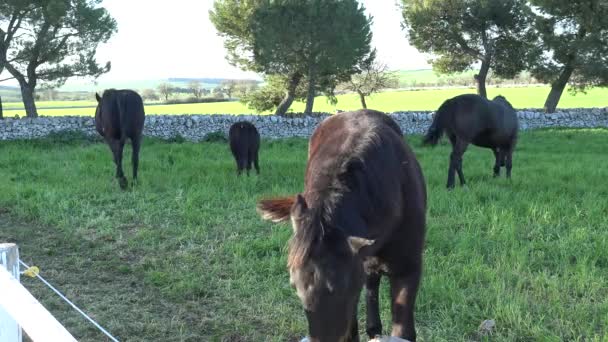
(244, 144)
(120, 115)
(361, 215)
(473, 119)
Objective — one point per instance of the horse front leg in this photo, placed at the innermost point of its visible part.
(354, 329)
(403, 298)
(452, 170)
(498, 163)
(373, 324)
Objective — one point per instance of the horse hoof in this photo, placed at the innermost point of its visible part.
(123, 183)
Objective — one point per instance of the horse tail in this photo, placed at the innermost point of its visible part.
(435, 131)
(122, 115)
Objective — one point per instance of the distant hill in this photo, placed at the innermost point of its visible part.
(10, 93)
(89, 86)
(204, 80)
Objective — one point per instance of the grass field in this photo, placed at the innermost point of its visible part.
(391, 101)
(183, 256)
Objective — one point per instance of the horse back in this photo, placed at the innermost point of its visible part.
(244, 138)
(121, 114)
(382, 193)
(133, 113)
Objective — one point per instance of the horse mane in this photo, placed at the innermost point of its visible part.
(503, 100)
(318, 223)
(109, 91)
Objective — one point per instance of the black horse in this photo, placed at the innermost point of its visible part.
(120, 115)
(473, 119)
(361, 215)
(244, 144)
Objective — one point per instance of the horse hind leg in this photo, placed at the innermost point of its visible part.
(136, 144)
(509, 160)
(255, 162)
(249, 160)
(460, 173)
(240, 164)
(117, 149)
(458, 149)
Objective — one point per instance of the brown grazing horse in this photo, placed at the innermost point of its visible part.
(244, 144)
(120, 115)
(473, 119)
(361, 216)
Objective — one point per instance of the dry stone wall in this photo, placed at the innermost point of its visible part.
(197, 127)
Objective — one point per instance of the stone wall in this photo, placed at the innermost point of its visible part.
(196, 127)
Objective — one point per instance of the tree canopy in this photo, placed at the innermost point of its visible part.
(374, 76)
(321, 40)
(57, 40)
(572, 47)
(465, 33)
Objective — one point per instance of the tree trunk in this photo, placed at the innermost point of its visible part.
(481, 78)
(310, 95)
(1, 114)
(557, 88)
(290, 95)
(27, 88)
(363, 103)
(27, 93)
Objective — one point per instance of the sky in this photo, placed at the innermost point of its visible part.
(161, 39)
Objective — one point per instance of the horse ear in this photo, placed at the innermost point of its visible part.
(276, 210)
(97, 97)
(358, 244)
(299, 207)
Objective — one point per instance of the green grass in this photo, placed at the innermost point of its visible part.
(412, 77)
(183, 256)
(391, 101)
(51, 104)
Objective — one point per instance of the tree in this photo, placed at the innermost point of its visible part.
(464, 33)
(228, 87)
(232, 19)
(219, 92)
(12, 13)
(270, 96)
(323, 40)
(317, 40)
(244, 87)
(196, 88)
(165, 90)
(57, 40)
(149, 95)
(573, 46)
(373, 78)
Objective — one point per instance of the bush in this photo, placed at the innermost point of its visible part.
(217, 136)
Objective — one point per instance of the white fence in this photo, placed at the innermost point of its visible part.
(20, 310)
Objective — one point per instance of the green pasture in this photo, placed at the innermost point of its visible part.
(389, 101)
(183, 255)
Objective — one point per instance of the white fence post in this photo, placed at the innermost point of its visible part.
(17, 304)
(10, 331)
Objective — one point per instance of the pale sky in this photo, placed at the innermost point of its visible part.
(160, 39)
